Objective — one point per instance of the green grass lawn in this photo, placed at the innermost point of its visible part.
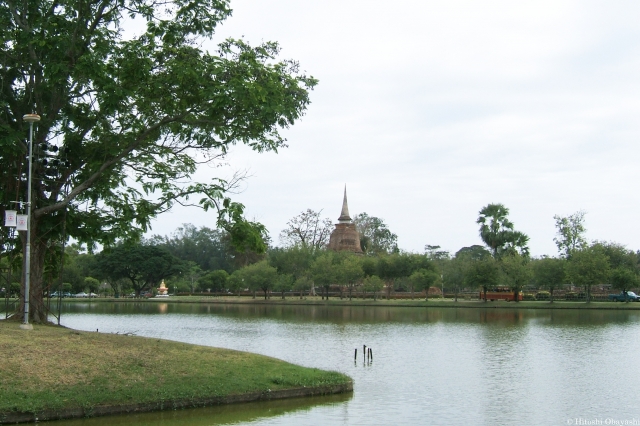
(55, 368)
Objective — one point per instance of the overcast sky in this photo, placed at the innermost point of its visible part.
(429, 111)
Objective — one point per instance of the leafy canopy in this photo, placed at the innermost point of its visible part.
(570, 232)
(128, 117)
(498, 233)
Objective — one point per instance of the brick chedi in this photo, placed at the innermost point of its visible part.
(345, 237)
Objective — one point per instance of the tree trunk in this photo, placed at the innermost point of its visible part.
(551, 295)
(515, 295)
(37, 308)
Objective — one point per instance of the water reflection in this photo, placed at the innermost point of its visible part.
(219, 415)
(431, 365)
(368, 314)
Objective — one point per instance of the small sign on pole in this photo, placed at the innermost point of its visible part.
(10, 218)
(22, 222)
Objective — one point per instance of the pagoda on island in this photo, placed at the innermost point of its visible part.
(345, 237)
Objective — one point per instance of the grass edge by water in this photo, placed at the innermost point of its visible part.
(53, 372)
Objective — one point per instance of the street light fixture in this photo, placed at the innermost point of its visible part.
(29, 118)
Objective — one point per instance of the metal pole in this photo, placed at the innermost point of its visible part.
(29, 118)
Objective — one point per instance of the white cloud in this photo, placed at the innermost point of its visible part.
(431, 110)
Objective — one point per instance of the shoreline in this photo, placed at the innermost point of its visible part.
(108, 410)
(400, 303)
(54, 373)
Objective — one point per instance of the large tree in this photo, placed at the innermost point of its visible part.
(349, 272)
(323, 271)
(127, 118)
(208, 248)
(260, 276)
(516, 272)
(498, 233)
(307, 230)
(570, 232)
(474, 252)
(549, 273)
(623, 264)
(145, 266)
(453, 271)
(588, 267)
(483, 274)
(375, 236)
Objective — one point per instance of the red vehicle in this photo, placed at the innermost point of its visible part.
(500, 293)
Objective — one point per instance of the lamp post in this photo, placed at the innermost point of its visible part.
(29, 118)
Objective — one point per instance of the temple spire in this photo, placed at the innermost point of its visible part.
(344, 215)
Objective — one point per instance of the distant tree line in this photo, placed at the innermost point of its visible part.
(194, 260)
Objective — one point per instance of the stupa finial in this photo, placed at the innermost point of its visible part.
(344, 214)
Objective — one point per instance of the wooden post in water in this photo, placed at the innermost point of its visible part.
(355, 355)
(371, 354)
(364, 353)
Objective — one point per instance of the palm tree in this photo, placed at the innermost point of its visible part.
(497, 232)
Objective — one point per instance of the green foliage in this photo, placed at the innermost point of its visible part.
(208, 248)
(213, 280)
(323, 271)
(91, 284)
(516, 272)
(143, 265)
(434, 253)
(260, 276)
(619, 256)
(453, 273)
(588, 267)
(375, 236)
(498, 233)
(422, 279)
(549, 273)
(236, 282)
(373, 284)
(349, 272)
(624, 279)
(302, 284)
(128, 117)
(570, 233)
(295, 260)
(284, 283)
(474, 252)
(543, 295)
(482, 274)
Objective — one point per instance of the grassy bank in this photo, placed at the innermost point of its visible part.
(50, 371)
(417, 302)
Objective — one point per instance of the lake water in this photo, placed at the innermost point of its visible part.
(440, 366)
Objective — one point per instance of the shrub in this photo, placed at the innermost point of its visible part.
(529, 297)
(543, 295)
(572, 295)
